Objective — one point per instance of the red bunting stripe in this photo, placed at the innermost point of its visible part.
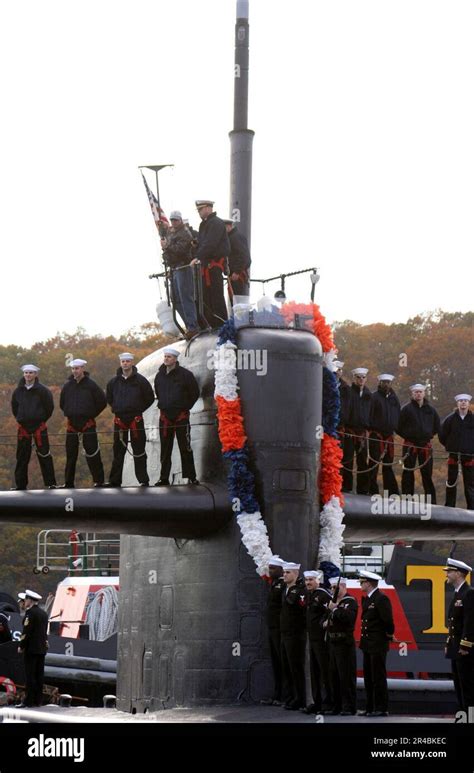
(330, 481)
(231, 424)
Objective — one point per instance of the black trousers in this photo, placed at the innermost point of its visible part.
(215, 309)
(463, 677)
(138, 443)
(34, 670)
(342, 664)
(240, 286)
(274, 641)
(292, 662)
(376, 448)
(467, 468)
(354, 445)
(408, 477)
(182, 430)
(320, 677)
(375, 681)
(23, 456)
(93, 459)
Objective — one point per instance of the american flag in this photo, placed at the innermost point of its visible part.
(158, 214)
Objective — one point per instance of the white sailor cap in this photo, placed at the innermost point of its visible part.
(126, 356)
(452, 563)
(418, 386)
(385, 377)
(77, 363)
(335, 580)
(463, 397)
(338, 364)
(360, 371)
(204, 203)
(171, 350)
(364, 574)
(31, 594)
(290, 567)
(276, 561)
(22, 596)
(32, 368)
(312, 573)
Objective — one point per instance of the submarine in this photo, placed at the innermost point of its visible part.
(192, 605)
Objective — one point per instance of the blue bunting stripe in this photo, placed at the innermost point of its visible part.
(241, 481)
(331, 403)
(227, 333)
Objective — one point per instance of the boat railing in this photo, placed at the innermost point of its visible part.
(63, 550)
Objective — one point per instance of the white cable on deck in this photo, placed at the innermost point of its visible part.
(102, 614)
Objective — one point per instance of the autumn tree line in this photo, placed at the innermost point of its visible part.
(434, 348)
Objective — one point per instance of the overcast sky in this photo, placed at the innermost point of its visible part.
(363, 153)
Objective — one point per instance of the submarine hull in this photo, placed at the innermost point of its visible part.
(192, 612)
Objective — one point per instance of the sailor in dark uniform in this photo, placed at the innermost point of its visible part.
(275, 593)
(377, 630)
(342, 652)
(32, 405)
(384, 418)
(293, 636)
(177, 391)
(419, 423)
(460, 642)
(34, 644)
(212, 252)
(457, 436)
(239, 259)
(81, 401)
(344, 395)
(317, 601)
(129, 394)
(356, 433)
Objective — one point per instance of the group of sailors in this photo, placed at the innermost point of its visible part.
(219, 249)
(369, 421)
(323, 612)
(128, 394)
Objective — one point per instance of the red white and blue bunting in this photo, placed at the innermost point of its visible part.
(231, 430)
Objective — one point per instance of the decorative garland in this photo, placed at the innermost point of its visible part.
(241, 480)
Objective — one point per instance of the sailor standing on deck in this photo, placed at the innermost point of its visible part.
(129, 394)
(457, 436)
(177, 246)
(356, 429)
(342, 652)
(239, 259)
(460, 642)
(293, 637)
(419, 423)
(344, 394)
(34, 645)
(212, 251)
(317, 602)
(377, 630)
(81, 401)
(275, 594)
(32, 406)
(384, 418)
(177, 391)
